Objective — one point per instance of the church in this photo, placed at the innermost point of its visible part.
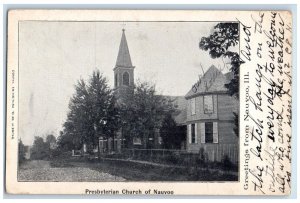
(123, 86)
(204, 116)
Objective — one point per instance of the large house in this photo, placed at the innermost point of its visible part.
(205, 113)
(210, 118)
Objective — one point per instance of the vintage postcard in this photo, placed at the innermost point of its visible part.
(148, 102)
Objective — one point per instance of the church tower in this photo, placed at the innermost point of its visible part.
(123, 71)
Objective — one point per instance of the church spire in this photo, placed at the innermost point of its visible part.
(123, 71)
(123, 59)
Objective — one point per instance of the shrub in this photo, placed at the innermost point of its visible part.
(226, 163)
(202, 157)
(21, 151)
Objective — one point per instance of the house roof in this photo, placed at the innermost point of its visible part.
(123, 59)
(212, 81)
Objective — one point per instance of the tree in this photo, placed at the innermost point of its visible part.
(22, 151)
(93, 113)
(142, 113)
(219, 44)
(104, 113)
(51, 144)
(76, 129)
(39, 149)
(171, 135)
(50, 139)
(67, 142)
(113, 123)
(236, 123)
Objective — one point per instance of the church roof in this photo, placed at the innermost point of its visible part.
(123, 59)
(212, 81)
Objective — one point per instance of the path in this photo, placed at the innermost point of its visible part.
(39, 170)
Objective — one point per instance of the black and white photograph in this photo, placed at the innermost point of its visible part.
(128, 101)
(149, 102)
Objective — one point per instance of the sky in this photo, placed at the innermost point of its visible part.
(53, 56)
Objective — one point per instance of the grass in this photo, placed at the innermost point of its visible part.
(145, 172)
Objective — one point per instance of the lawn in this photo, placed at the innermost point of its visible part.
(132, 171)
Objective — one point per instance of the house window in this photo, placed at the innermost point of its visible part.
(209, 132)
(192, 133)
(193, 106)
(126, 79)
(137, 141)
(193, 137)
(208, 104)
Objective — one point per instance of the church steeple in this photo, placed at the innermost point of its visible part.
(123, 71)
(123, 59)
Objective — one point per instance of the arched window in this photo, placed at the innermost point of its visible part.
(116, 80)
(126, 79)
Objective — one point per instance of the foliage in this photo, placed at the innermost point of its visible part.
(92, 113)
(51, 144)
(22, 151)
(40, 149)
(143, 113)
(226, 163)
(202, 159)
(236, 123)
(50, 139)
(67, 141)
(171, 135)
(219, 44)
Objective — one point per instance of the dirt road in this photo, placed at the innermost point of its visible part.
(39, 170)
